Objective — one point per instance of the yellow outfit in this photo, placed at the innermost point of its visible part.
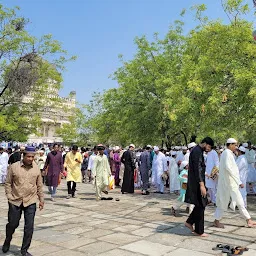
(73, 167)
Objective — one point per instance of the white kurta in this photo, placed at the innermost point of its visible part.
(211, 161)
(250, 156)
(174, 175)
(91, 161)
(3, 166)
(228, 182)
(101, 172)
(159, 166)
(186, 157)
(242, 165)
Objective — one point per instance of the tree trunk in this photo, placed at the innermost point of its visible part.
(185, 138)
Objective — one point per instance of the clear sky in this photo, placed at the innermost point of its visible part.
(97, 31)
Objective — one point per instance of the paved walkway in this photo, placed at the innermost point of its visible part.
(135, 225)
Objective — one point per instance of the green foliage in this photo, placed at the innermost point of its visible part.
(30, 69)
(199, 84)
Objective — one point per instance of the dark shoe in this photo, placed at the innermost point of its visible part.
(5, 247)
(162, 193)
(105, 192)
(26, 254)
(68, 197)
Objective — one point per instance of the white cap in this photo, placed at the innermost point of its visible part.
(245, 145)
(176, 148)
(183, 164)
(179, 147)
(132, 145)
(173, 153)
(184, 148)
(231, 141)
(167, 153)
(191, 145)
(156, 148)
(243, 149)
(149, 146)
(116, 148)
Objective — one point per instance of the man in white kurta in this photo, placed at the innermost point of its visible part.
(159, 166)
(242, 165)
(173, 174)
(250, 156)
(101, 172)
(3, 165)
(91, 162)
(181, 155)
(228, 186)
(212, 161)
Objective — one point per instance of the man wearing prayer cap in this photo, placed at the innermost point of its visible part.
(242, 165)
(101, 172)
(251, 179)
(128, 159)
(181, 155)
(174, 183)
(159, 166)
(229, 184)
(23, 188)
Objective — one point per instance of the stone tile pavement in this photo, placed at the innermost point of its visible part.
(135, 225)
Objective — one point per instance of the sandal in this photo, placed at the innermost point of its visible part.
(221, 247)
(235, 251)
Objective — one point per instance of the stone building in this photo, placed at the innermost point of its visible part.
(53, 117)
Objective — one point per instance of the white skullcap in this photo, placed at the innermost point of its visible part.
(243, 149)
(132, 145)
(178, 147)
(167, 153)
(116, 148)
(184, 148)
(191, 145)
(149, 146)
(245, 145)
(156, 148)
(183, 164)
(231, 141)
(173, 153)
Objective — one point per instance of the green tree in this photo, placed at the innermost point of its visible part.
(30, 68)
(202, 83)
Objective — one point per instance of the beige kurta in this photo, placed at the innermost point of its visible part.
(101, 172)
(228, 182)
(73, 167)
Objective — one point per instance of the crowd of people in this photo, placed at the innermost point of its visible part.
(199, 175)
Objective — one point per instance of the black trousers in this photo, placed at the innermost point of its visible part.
(71, 189)
(14, 215)
(197, 217)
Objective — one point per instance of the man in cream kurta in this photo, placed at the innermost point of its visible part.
(72, 163)
(228, 186)
(159, 166)
(101, 172)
